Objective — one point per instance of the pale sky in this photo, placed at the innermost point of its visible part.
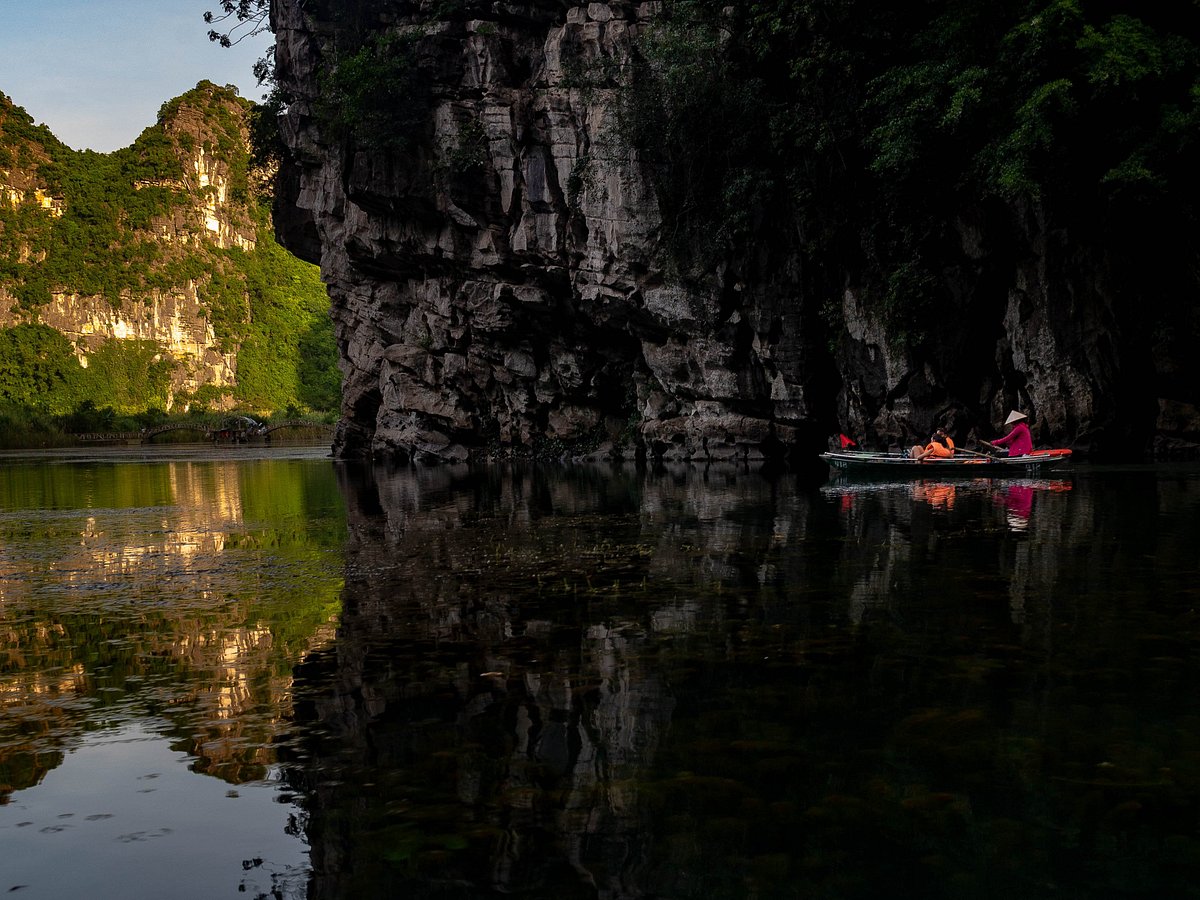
(95, 72)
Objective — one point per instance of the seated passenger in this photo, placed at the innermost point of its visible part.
(935, 448)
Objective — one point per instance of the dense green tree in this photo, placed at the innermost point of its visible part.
(128, 377)
(38, 370)
(274, 309)
(886, 121)
(375, 93)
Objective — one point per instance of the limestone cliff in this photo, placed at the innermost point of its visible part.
(151, 252)
(521, 303)
(501, 283)
(174, 317)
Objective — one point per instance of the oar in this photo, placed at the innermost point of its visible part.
(975, 452)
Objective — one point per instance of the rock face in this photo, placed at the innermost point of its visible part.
(175, 320)
(522, 303)
(501, 284)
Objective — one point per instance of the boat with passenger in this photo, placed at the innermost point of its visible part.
(963, 463)
(974, 465)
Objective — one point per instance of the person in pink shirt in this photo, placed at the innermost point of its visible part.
(1018, 441)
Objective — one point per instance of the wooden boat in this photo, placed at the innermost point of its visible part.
(962, 463)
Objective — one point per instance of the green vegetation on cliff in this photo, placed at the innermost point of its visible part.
(97, 238)
(38, 370)
(873, 128)
(287, 355)
(175, 215)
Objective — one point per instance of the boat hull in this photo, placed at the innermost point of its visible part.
(854, 461)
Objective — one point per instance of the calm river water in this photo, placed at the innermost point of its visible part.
(263, 673)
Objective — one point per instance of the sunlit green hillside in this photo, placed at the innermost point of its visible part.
(148, 280)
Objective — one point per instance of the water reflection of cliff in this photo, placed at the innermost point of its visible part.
(712, 683)
(471, 674)
(136, 590)
(506, 658)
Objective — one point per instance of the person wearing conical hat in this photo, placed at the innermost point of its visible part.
(1018, 441)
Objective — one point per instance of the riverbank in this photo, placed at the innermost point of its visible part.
(194, 450)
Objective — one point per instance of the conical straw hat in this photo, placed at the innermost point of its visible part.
(1015, 416)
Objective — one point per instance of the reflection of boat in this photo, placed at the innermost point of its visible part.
(973, 466)
(1017, 498)
(1012, 493)
(939, 495)
(941, 491)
